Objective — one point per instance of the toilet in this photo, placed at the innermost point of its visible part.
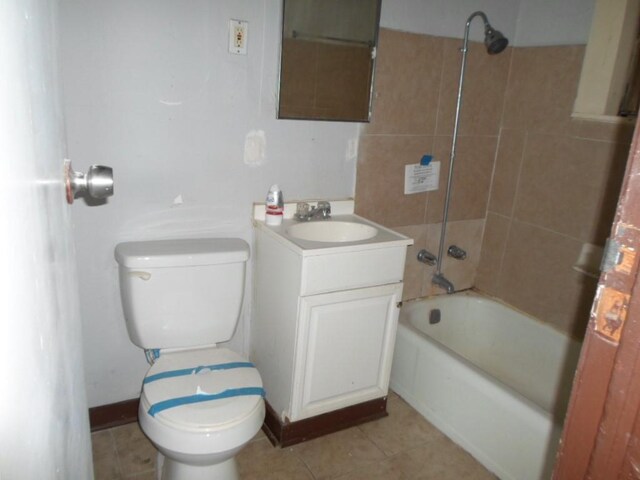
(200, 404)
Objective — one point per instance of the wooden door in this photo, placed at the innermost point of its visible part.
(601, 439)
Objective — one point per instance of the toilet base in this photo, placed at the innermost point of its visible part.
(171, 470)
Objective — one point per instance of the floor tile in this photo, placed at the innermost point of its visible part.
(441, 460)
(260, 460)
(403, 429)
(338, 453)
(137, 455)
(402, 446)
(105, 456)
(143, 476)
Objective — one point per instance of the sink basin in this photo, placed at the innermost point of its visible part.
(330, 231)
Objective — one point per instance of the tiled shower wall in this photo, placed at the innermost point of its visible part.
(554, 184)
(413, 112)
(555, 188)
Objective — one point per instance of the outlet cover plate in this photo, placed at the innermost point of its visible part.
(238, 36)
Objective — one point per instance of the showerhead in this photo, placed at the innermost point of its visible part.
(494, 40)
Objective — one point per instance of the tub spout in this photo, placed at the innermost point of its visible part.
(440, 280)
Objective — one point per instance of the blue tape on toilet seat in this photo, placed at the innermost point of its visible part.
(190, 371)
(177, 402)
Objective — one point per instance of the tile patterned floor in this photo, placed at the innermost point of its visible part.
(402, 446)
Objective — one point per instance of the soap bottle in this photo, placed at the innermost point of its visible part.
(274, 206)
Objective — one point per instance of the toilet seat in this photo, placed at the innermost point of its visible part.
(202, 374)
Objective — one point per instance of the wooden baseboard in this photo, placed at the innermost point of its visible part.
(288, 433)
(279, 433)
(114, 414)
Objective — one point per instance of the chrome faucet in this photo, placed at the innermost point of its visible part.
(304, 212)
(440, 280)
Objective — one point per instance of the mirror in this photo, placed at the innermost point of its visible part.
(327, 59)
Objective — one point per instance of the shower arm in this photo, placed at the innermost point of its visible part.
(445, 213)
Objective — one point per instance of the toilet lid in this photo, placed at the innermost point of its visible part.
(201, 389)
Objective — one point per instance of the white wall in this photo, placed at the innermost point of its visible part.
(151, 90)
(44, 426)
(447, 18)
(553, 22)
(524, 22)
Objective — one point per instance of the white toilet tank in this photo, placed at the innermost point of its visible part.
(181, 293)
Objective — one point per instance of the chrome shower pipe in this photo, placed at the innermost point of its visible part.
(445, 213)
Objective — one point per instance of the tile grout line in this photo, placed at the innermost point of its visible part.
(299, 457)
(115, 449)
(502, 113)
(513, 209)
(435, 127)
(136, 474)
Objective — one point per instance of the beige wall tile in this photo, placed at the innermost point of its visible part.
(471, 178)
(537, 277)
(507, 169)
(496, 230)
(542, 87)
(484, 86)
(380, 179)
(413, 269)
(407, 81)
(466, 234)
(570, 185)
(559, 177)
(607, 132)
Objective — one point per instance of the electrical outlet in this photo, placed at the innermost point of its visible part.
(238, 36)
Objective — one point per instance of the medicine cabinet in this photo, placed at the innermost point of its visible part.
(327, 59)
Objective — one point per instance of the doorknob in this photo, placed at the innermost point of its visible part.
(97, 183)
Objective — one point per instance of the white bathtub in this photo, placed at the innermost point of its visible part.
(494, 380)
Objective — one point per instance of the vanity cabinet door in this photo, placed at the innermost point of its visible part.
(344, 348)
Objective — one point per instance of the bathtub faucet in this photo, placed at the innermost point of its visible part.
(440, 280)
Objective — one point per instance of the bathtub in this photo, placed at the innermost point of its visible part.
(494, 380)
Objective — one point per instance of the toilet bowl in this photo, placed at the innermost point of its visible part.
(200, 404)
(199, 440)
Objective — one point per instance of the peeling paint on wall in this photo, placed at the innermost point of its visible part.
(352, 150)
(255, 144)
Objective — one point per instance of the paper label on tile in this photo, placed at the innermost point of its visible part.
(421, 178)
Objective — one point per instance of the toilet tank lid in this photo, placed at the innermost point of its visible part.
(181, 252)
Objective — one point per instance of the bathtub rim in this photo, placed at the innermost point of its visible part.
(402, 321)
(474, 292)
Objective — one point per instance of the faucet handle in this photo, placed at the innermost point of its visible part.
(302, 209)
(325, 207)
(427, 257)
(456, 252)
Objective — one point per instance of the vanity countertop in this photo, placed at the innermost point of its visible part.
(342, 211)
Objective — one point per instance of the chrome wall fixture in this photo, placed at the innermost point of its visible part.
(495, 42)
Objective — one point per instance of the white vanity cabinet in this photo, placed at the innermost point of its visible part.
(344, 347)
(324, 318)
